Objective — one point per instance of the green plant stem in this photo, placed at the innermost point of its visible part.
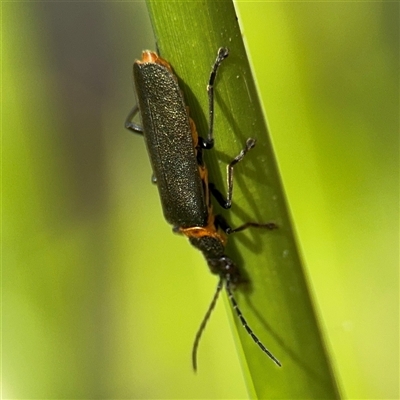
(276, 302)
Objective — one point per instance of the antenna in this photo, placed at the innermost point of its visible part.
(240, 316)
(245, 324)
(204, 323)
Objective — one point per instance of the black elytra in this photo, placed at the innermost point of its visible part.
(175, 151)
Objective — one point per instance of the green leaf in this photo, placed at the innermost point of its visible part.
(276, 302)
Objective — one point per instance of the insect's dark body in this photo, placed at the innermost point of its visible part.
(170, 144)
(175, 151)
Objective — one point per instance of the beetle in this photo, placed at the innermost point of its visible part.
(176, 155)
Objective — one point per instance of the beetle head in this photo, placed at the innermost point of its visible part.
(225, 268)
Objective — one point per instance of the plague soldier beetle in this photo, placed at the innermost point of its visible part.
(176, 155)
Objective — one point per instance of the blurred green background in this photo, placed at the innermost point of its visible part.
(99, 299)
